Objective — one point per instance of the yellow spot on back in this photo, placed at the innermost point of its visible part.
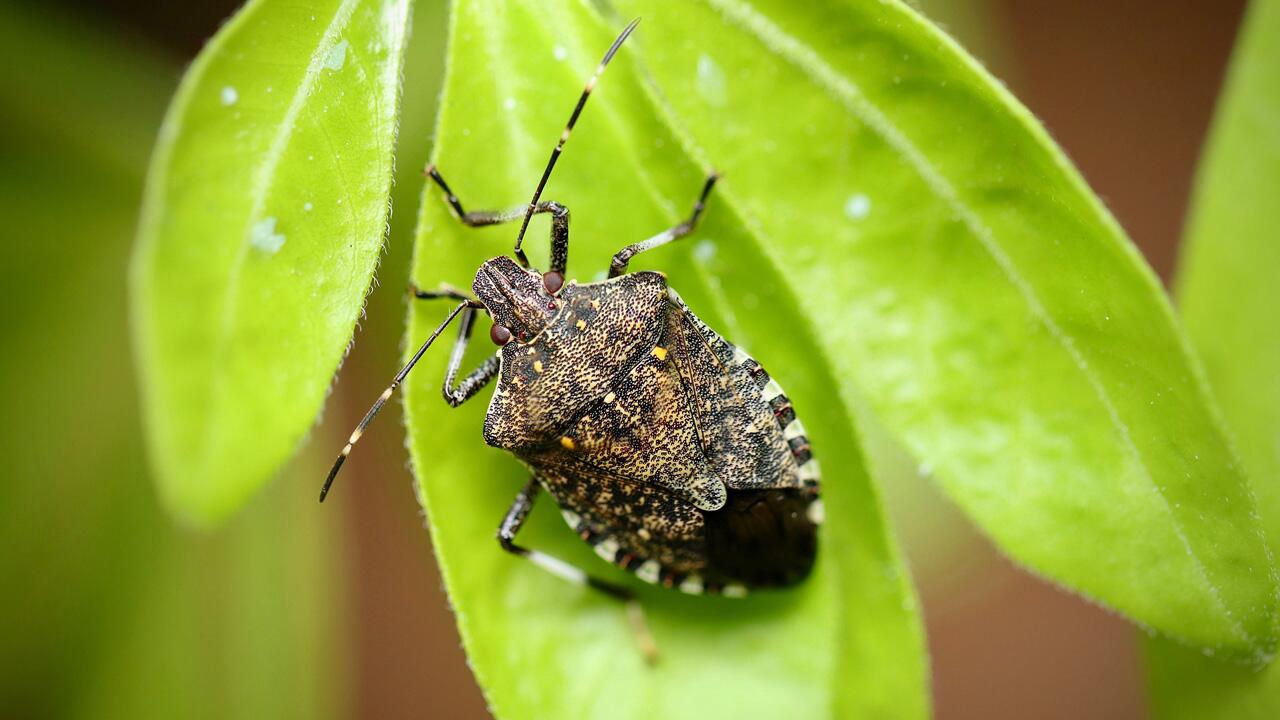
(537, 366)
(581, 324)
(595, 304)
(610, 398)
(660, 353)
(567, 443)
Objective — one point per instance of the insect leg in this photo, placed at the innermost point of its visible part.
(511, 525)
(620, 260)
(386, 395)
(481, 218)
(476, 379)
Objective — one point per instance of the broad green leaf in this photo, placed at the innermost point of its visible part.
(971, 287)
(263, 219)
(848, 641)
(1229, 296)
(941, 545)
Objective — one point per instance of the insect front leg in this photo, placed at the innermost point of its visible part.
(476, 379)
(481, 218)
(623, 257)
(511, 525)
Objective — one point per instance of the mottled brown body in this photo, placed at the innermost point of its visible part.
(667, 449)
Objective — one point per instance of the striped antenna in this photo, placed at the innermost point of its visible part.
(385, 396)
(555, 154)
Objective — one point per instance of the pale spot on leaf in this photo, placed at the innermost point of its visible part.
(337, 56)
(264, 237)
(711, 81)
(857, 207)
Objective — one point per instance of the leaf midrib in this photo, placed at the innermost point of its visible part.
(848, 94)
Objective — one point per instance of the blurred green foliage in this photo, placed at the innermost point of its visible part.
(108, 610)
(1229, 296)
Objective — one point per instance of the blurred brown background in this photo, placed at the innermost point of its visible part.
(1127, 87)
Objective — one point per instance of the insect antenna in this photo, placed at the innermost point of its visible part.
(386, 395)
(564, 135)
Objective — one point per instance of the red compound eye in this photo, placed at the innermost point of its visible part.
(552, 281)
(499, 335)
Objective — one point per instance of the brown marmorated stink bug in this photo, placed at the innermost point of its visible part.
(669, 450)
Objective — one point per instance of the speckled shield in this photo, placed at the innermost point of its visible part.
(668, 449)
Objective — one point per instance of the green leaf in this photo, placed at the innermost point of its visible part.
(978, 295)
(1228, 296)
(848, 641)
(943, 549)
(261, 227)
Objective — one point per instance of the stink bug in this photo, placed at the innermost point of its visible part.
(670, 451)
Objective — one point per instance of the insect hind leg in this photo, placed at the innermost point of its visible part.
(511, 524)
(623, 256)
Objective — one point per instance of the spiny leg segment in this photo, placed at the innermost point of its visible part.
(511, 524)
(623, 257)
(564, 137)
(476, 379)
(386, 394)
(482, 218)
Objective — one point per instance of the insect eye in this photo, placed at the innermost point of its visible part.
(552, 281)
(499, 334)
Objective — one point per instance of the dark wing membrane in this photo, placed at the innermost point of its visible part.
(763, 538)
(744, 435)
